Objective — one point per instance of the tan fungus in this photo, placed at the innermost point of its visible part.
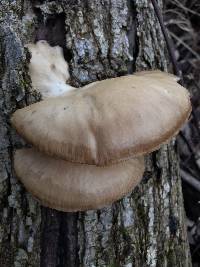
(108, 121)
(69, 186)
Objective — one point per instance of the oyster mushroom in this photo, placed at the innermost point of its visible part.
(108, 121)
(57, 183)
(70, 186)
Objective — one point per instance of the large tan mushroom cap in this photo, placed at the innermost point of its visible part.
(73, 187)
(108, 121)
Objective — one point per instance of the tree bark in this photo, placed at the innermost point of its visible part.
(100, 39)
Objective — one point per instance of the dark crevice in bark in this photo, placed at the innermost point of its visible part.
(50, 237)
(115, 233)
(81, 229)
(68, 239)
(52, 29)
(132, 36)
(157, 169)
(59, 239)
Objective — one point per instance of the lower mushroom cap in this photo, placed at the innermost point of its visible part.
(69, 186)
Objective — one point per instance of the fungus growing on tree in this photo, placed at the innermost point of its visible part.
(70, 186)
(48, 69)
(109, 123)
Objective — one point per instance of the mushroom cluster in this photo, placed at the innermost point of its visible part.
(89, 142)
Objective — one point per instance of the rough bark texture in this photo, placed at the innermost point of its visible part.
(100, 39)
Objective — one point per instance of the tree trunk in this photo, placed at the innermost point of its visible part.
(100, 39)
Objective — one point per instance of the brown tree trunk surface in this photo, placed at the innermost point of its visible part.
(101, 39)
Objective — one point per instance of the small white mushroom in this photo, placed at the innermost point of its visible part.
(48, 70)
